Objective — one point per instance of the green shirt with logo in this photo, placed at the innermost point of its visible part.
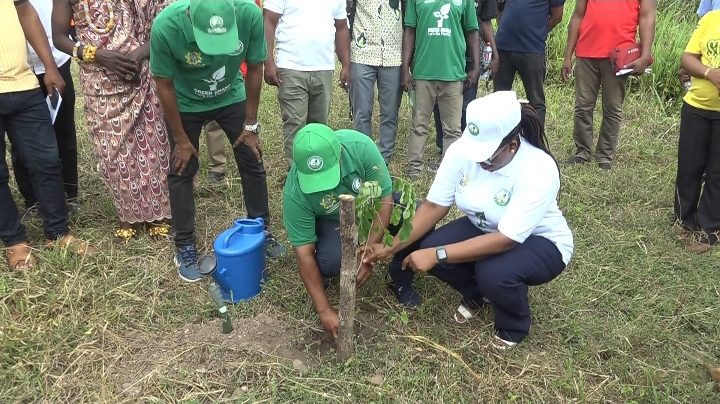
(440, 27)
(360, 161)
(204, 82)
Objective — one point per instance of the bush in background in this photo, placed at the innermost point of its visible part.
(676, 21)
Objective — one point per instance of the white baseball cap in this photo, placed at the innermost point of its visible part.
(489, 119)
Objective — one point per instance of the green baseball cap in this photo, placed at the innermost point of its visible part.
(316, 154)
(215, 26)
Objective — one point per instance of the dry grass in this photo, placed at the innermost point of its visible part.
(634, 318)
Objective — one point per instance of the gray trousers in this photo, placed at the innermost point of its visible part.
(362, 94)
(590, 76)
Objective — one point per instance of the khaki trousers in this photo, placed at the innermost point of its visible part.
(590, 76)
(215, 139)
(449, 97)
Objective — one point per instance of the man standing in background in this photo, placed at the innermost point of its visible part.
(521, 41)
(64, 125)
(376, 56)
(486, 10)
(596, 29)
(437, 35)
(301, 37)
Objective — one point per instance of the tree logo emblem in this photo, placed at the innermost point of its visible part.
(315, 163)
(473, 129)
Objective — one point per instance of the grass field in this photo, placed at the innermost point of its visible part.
(634, 318)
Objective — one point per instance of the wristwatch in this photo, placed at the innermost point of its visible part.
(441, 254)
(254, 128)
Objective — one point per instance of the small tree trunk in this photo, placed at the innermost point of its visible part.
(348, 273)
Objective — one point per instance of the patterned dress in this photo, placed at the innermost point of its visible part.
(124, 119)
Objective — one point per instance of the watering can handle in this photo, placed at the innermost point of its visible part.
(225, 241)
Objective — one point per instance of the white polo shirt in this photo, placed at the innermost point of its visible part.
(305, 34)
(44, 11)
(519, 200)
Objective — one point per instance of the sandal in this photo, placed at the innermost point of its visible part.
(124, 235)
(158, 230)
(501, 344)
(19, 257)
(72, 243)
(467, 310)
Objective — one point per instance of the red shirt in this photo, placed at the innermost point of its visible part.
(608, 24)
(243, 66)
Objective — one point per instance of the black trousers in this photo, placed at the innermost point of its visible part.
(252, 172)
(502, 279)
(697, 186)
(532, 69)
(25, 117)
(66, 137)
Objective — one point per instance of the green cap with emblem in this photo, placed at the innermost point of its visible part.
(214, 26)
(316, 154)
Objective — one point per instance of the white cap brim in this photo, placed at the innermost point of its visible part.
(475, 150)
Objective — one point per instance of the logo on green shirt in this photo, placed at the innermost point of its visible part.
(441, 16)
(315, 163)
(213, 90)
(357, 182)
(193, 58)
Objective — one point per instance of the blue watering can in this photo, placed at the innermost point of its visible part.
(240, 260)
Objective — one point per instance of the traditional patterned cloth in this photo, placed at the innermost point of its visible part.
(124, 119)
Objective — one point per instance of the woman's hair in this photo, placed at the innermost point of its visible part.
(531, 128)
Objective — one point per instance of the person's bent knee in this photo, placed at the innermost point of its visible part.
(329, 265)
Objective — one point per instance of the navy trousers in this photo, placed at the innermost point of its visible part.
(502, 279)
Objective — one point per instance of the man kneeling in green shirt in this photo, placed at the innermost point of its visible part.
(326, 165)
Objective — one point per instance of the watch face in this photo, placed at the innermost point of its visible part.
(441, 253)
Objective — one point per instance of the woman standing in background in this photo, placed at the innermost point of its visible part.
(123, 114)
(697, 187)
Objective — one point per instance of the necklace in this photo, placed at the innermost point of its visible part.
(111, 17)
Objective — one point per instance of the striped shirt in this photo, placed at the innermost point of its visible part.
(15, 73)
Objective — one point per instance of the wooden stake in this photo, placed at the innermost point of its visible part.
(348, 274)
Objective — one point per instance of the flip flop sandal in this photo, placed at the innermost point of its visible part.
(19, 257)
(158, 231)
(123, 236)
(463, 313)
(72, 243)
(501, 344)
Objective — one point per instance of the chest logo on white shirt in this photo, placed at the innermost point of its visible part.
(502, 197)
(442, 14)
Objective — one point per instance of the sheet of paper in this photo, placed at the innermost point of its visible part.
(54, 111)
(623, 72)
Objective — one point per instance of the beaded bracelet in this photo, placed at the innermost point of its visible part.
(89, 53)
(707, 71)
(75, 50)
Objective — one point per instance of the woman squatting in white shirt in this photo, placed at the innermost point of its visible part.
(501, 175)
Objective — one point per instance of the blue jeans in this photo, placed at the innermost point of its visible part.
(25, 117)
(503, 279)
(469, 94)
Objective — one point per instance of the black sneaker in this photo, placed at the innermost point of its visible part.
(576, 160)
(605, 165)
(406, 295)
(273, 248)
(214, 177)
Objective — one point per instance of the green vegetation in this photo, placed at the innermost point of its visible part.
(635, 318)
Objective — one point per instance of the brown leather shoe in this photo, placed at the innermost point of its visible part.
(19, 257)
(72, 243)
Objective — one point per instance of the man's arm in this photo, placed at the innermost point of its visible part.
(648, 12)
(183, 150)
(573, 35)
(61, 15)
(489, 37)
(407, 54)
(473, 42)
(342, 48)
(270, 21)
(310, 274)
(556, 16)
(36, 36)
(253, 86)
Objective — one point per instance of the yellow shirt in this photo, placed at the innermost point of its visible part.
(706, 43)
(15, 73)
